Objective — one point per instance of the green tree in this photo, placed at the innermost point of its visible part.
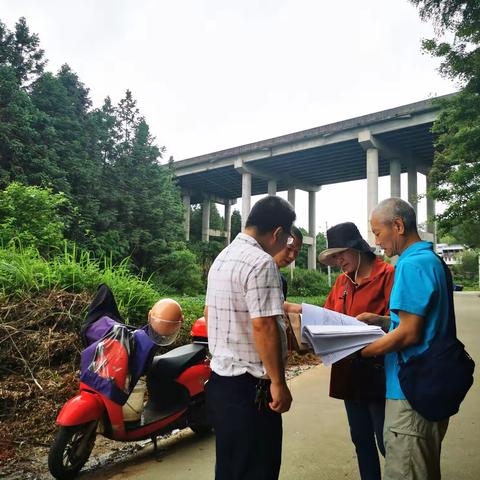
(206, 252)
(68, 134)
(470, 263)
(466, 272)
(179, 271)
(157, 221)
(144, 201)
(21, 51)
(236, 223)
(31, 216)
(23, 156)
(129, 117)
(122, 200)
(106, 125)
(455, 174)
(302, 259)
(465, 234)
(104, 235)
(216, 221)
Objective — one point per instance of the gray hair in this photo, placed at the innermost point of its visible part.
(392, 208)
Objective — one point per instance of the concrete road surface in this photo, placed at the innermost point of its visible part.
(316, 438)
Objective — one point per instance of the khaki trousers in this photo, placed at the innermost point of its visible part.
(412, 443)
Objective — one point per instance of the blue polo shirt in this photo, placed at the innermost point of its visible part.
(419, 287)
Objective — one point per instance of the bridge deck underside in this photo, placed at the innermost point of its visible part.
(329, 164)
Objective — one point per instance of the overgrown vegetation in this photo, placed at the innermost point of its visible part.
(102, 166)
(24, 273)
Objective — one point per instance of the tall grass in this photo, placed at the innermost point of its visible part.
(24, 272)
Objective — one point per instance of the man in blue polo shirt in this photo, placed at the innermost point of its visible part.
(418, 309)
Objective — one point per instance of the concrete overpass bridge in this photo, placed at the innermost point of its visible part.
(389, 142)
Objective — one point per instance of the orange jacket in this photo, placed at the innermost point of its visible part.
(372, 295)
(352, 379)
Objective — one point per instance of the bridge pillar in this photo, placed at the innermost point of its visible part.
(272, 187)
(395, 178)
(430, 211)
(412, 186)
(291, 199)
(206, 220)
(186, 215)
(372, 188)
(291, 196)
(312, 231)
(246, 196)
(227, 223)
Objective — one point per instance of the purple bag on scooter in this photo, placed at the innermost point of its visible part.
(117, 355)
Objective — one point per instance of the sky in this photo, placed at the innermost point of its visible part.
(215, 74)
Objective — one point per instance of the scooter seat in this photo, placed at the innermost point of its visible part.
(171, 364)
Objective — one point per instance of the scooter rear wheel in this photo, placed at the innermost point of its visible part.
(70, 450)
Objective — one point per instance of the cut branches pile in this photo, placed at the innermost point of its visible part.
(39, 357)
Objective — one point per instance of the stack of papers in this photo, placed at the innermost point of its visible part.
(334, 336)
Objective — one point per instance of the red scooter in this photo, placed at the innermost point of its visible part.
(176, 400)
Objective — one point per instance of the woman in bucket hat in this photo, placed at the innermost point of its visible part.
(362, 291)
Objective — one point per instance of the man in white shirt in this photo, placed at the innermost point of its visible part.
(247, 392)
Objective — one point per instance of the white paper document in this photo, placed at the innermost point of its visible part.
(333, 335)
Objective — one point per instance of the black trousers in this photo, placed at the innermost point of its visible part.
(248, 439)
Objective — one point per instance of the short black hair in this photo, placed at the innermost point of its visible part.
(270, 213)
(297, 233)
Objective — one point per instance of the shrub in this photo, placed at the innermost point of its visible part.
(30, 216)
(180, 273)
(192, 309)
(307, 283)
(466, 272)
(468, 266)
(206, 252)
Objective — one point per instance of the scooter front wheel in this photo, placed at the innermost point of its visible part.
(70, 450)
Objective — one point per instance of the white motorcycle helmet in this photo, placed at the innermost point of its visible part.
(164, 321)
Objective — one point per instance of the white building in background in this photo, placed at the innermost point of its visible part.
(451, 254)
